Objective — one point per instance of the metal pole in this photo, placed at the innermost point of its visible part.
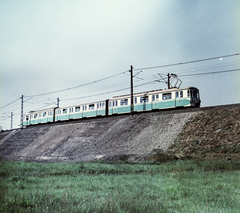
(57, 102)
(22, 112)
(132, 107)
(11, 119)
(168, 80)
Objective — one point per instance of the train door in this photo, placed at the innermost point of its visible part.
(115, 109)
(110, 108)
(178, 98)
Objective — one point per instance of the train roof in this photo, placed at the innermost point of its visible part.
(42, 110)
(153, 92)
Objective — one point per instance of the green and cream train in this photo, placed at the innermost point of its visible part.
(145, 101)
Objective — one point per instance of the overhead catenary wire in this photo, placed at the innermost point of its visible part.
(208, 73)
(82, 85)
(10, 103)
(118, 90)
(187, 62)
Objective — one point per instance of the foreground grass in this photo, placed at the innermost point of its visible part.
(182, 186)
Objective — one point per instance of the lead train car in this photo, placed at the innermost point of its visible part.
(145, 101)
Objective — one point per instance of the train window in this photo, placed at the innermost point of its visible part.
(35, 115)
(144, 99)
(77, 109)
(40, 115)
(116, 103)
(110, 103)
(65, 111)
(157, 96)
(177, 95)
(103, 104)
(188, 93)
(166, 96)
(27, 118)
(181, 94)
(44, 114)
(124, 102)
(70, 110)
(135, 100)
(85, 107)
(195, 94)
(91, 106)
(59, 111)
(50, 113)
(153, 97)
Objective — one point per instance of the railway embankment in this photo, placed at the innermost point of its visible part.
(207, 133)
(108, 138)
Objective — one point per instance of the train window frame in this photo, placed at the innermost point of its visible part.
(177, 94)
(77, 109)
(153, 97)
(91, 106)
(167, 96)
(135, 100)
(181, 94)
(144, 99)
(195, 94)
(124, 102)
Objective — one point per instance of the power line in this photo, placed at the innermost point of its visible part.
(76, 86)
(207, 73)
(188, 62)
(107, 92)
(9, 103)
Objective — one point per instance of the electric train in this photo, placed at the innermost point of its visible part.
(144, 101)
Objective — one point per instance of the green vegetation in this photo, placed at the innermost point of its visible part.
(178, 186)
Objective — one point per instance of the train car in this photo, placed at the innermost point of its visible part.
(38, 117)
(144, 101)
(81, 111)
(156, 99)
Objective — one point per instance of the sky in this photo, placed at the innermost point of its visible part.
(63, 49)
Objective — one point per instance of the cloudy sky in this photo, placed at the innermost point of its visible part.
(55, 45)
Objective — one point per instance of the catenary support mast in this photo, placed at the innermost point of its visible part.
(132, 106)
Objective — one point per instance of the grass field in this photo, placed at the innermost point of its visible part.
(181, 186)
